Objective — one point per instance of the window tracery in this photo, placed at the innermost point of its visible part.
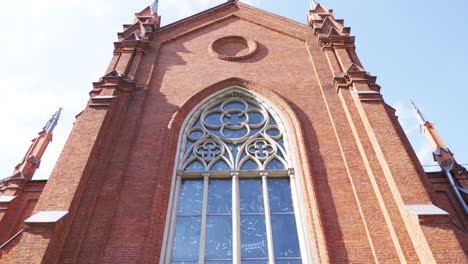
(233, 199)
(234, 133)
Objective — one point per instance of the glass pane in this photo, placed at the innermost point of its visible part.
(184, 262)
(288, 261)
(234, 105)
(189, 144)
(256, 118)
(196, 134)
(249, 165)
(285, 239)
(272, 121)
(279, 193)
(219, 261)
(234, 118)
(213, 119)
(254, 262)
(254, 131)
(219, 237)
(251, 196)
(273, 132)
(191, 197)
(275, 165)
(220, 166)
(219, 197)
(195, 166)
(253, 237)
(235, 133)
(187, 238)
(280, 142)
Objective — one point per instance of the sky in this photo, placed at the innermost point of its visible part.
(52, 51)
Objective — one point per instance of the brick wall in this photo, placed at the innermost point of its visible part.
(357, 168)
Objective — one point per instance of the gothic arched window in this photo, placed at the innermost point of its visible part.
(234, 199)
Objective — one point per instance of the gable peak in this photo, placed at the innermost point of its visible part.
(113, 73)
(355, 68)
(317, 8)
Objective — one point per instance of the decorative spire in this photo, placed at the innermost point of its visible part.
(421, 118)
(154, 6)
(313, 4)
(50, 125)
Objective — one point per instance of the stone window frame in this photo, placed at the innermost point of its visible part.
(305, 243)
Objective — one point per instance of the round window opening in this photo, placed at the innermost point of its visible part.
(233, 48)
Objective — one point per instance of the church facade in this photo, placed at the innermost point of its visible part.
(238, 136)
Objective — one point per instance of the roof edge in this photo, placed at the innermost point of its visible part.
(195, 15)
(235, 3)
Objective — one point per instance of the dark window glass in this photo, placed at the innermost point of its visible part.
(285, 239)
(253, 236)
(279, 192)
(219, 237)
(191, 198)
(187, 238)
(220, 197)
(251, 196)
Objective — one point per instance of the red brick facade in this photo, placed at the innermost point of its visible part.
(13, 215)
(444, 197)
(358, 169)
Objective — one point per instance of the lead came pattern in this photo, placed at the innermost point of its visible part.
(286, 244)
(253, 228)
(234, 133)
(188, 226)
(219, 225)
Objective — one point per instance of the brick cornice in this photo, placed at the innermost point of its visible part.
(140, 45)
(116, 83)
(145, 23)
(330, 31)
(357, 75)
(115, 80)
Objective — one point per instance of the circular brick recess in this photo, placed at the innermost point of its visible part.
(233, 48)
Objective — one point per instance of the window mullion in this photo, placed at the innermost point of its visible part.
(201, 257)
(266, 201)
(236, 243)
(173, 219)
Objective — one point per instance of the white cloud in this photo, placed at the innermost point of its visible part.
(42, 71)
(425, 154)
(24, 112)
(410, 123)
(45, 7)
(407, 117)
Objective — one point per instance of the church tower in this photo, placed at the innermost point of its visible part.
(19, 193)
(236, 136)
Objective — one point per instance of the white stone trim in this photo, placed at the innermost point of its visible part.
(236, 233)
(45, 217)
(169, 229)
(305, 242)
(206, 183)
(266, 206)
(6, 198)
(426, 210)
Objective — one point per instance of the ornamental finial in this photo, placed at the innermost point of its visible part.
(154, 6)
(421, 118)
(313, 4)
(50, 125)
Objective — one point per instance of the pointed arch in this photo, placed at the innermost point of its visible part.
(288, 158)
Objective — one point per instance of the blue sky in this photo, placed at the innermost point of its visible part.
(52, 50)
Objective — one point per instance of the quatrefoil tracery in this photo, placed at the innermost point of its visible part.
(231, 132)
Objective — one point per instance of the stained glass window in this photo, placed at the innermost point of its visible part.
(233, 200)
